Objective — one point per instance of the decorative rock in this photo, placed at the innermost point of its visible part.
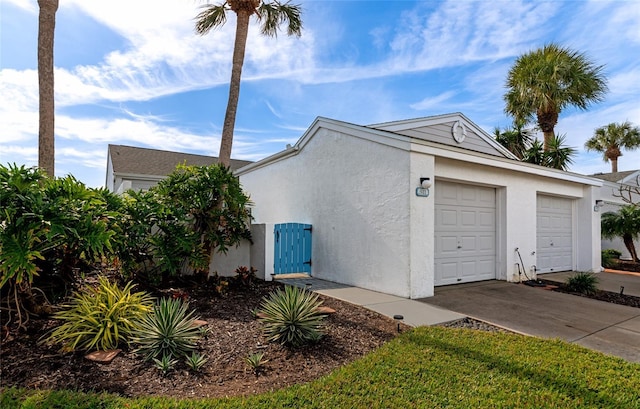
(326, 310)
(199, 323)
(103, 357)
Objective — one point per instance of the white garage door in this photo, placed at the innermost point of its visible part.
(465, 233)
(554, 234)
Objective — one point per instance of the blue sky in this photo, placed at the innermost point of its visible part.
(134, 73)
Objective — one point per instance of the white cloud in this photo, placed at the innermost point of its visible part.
(434, 102)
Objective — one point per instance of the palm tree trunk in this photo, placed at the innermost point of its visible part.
(242, 29)
(46, 139)
(614, 165)
(628, 243)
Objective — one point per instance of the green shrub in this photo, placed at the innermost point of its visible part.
(101, 317)
(196, 361)
(612, 252)
(256, 361)
(291, 316)
(583, 283)
(49, 229)
(609, 258)
(169, 330)
(165, 364)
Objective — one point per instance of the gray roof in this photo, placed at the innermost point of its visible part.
(615, 177)
(144, 161)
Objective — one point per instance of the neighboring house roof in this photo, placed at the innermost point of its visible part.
(619, 177)
(144, 161)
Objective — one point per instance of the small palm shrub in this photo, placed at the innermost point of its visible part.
(100, 318)
(583, 283)
(169, 330)
(291, 316)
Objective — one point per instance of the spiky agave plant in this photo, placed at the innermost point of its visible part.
(168, 330)
(291, 316)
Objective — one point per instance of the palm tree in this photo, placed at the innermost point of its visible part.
(557, 155)
(46, 139)
(543, 82)
(625, 224)
(516, 139)
(271, 15)
(613, 137)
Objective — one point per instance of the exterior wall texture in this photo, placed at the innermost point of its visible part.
(355, 194)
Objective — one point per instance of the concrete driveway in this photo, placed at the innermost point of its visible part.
(609, 328)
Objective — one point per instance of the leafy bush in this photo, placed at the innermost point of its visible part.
(612, 252)
(291, 316)
(609, 257)
(101, 317)
(583, 283)
(50, 228)
(244, 276)
(179, 223)
(169, 330)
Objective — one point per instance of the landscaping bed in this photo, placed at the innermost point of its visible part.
(233, 333)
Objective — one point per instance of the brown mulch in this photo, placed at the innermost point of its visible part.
(233, 334)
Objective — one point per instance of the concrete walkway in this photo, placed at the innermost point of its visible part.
(415, 313)
(609, 328)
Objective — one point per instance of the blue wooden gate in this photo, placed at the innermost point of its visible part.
(292, 248)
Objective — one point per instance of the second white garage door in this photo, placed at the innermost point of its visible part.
(555, 234)
(465, 233)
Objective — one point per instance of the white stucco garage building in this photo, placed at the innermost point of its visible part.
(358, 186)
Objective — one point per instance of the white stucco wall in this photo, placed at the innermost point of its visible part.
(356, 195)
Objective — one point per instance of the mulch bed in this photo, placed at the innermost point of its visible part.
(233, 334)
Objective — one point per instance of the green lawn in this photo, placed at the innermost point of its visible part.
(428, 367)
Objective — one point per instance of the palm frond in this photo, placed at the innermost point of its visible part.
(213, 16)
(274, 14)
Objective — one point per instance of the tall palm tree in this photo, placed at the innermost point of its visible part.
(271, 15)
(46, 138)
(610, 139)
(625, 224)
(543, 82)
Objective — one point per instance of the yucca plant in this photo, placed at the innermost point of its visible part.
(168, 330)
(196, 361)
(291, 316)
(100, 318)
(583, 283)
(165, 364)
(256, 361)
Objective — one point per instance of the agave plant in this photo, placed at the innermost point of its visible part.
(196, 361)
(168, 330)
(291, 316)
(101, 317)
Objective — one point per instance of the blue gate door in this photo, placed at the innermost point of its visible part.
(292, 248)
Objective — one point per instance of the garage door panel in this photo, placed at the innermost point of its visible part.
(554, 234)
(465, 233)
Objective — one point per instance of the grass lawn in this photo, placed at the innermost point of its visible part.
(428, 367)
